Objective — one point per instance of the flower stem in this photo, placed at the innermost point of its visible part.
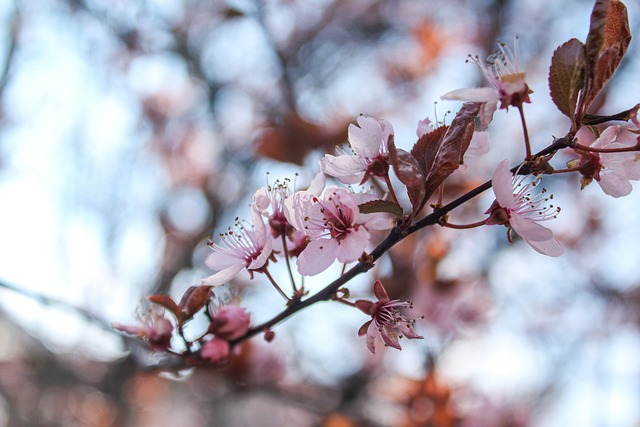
(286, 259)
(607, 150)
(463, 226)
(275, 285)
(527, 144)
(390, 187)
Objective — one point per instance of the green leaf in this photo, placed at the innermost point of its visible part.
(566, 76)
(385, 206)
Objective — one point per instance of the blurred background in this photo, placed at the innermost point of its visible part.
(130, 131)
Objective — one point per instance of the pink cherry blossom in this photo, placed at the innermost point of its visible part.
(521, 211)
(612, 171)
(334, 226)
(508, 83)
(230, 322)
(370, 151)
(215, 350)
(248, 248)
(156, 329)
(386, 319)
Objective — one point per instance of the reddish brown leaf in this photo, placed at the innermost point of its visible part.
(426, 148)
(168, 303)
(408, 171)
(595, 38)
(566, 76)
(454, 144)
(607, 43)
(194, 299)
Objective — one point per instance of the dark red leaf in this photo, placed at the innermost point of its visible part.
(408, 171)
(566, 76)
(454, 144)
(426, 148)
(168, 303)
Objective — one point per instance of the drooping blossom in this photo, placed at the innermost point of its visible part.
(156, 329)
(215, 350)
(248, 247)
(521, 211)
(230, 322)
(386, 319)
(370, 152)
(334, 226)
(612, 171)
(507, 81)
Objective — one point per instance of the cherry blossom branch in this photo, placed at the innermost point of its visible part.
(395, 236)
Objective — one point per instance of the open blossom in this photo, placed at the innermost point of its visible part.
(521, 211)
(269, 203)
(156, 329)
(246, 248)
(370, 151)
(502, 71)
(334, 226)
(612, 171)
(386, 319)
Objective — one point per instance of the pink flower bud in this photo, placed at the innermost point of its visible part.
(230, 322)
(215, 350)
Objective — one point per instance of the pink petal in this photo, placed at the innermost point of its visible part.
(366, 306)
(502, 183)
(366, 139)
(530, 230)
(348, 169)
(363, 329)
(352, 246)
(380, 292)
(607, 137)
(263, 257)
(317, 183)
(317, 256)
(484, 94)
(223, 276)
(615, 185)
(372, 332)
(548, 247)
(390, 338)
(221, 259)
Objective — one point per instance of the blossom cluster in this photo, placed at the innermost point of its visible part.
(336, 219)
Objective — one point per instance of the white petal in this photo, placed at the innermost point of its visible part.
(479, 144)
(353, 245)
(223, 276)
(299, 207)
(502, 183)
(484, 94)
(317, 257)
(348, 169)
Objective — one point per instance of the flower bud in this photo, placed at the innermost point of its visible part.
(230, 322)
